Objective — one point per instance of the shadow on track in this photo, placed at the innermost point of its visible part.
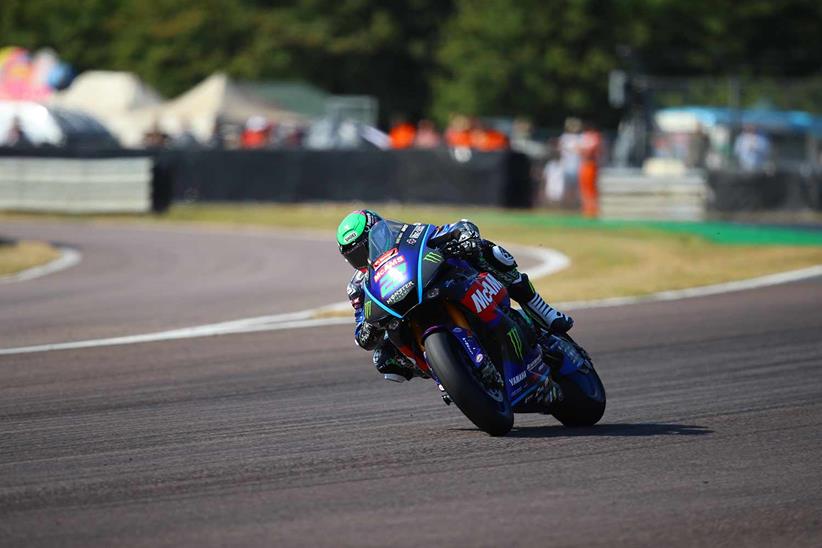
(614, 430)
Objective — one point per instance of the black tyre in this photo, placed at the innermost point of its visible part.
(583, 401)
(490, 410)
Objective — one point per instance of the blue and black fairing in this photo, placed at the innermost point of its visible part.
(401, 265)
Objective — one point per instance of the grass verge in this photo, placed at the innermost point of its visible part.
(18, 256)
(608, 259)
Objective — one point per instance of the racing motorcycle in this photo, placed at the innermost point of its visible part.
(458, 326)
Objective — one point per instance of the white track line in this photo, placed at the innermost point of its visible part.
(549, 261)
(307, 318)
(68, 258)
(701, 291)
(184, 333)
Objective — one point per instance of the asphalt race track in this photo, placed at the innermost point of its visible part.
(712, 434)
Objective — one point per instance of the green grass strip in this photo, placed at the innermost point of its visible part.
(715, 231)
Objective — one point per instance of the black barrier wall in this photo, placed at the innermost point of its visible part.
(421, 176)
(427, 176)
(732, 191)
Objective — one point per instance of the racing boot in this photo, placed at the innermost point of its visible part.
(394, 365)
(544, 315)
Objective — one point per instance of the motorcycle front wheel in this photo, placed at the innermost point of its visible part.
(488, 408)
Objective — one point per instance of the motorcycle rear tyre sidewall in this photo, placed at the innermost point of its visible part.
(576, 409)
(451, 365)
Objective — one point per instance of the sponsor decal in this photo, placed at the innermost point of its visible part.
(401, 293)
(518, 379)
(349, 237)
(384, 257)
(484, 296)
(516, 342)
(370, 219)
(536, 363)
(393, 277)
(432, 257)
(399, 234)
(385, 268)
(368, 308)
(415, 234)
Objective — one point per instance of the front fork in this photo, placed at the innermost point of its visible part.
(484, 367)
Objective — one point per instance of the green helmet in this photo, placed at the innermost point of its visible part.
(352, 236)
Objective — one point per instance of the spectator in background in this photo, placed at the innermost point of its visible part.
(522, 139)
(552, 174)
(752, 149)
(485, 138)
(458, 133)
(291, 135)
(256, 133)
(699, 147)
(569, 155)
(185, 139)
(217, 138)
(155, 137)
(427, 135)
(16, 137)
(590, 147)
(402, 133)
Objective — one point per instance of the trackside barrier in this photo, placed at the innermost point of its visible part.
(76, 185)
(734, 191)
(631, 194)
(115, 180)
(420, 176)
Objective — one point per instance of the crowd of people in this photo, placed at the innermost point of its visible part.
(261, 133)
(462, 132)
(572, 161)
(257, 133)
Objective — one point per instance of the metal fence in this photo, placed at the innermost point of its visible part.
(74, 185)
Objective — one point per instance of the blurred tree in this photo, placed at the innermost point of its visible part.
(382, 48)
(485, 57)
(173, 44)
(545, 59)
(77, 30)
(723, 36)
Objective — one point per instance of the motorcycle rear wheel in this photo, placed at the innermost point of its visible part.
(583, 402)
(455, 372)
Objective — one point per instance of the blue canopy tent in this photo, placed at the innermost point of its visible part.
(772, 121)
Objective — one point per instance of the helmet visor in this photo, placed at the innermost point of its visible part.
(356, 253)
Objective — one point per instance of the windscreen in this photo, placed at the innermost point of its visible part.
(382, 237)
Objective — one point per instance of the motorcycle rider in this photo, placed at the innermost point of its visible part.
(484, 255)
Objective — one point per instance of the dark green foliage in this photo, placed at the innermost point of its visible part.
(430, 57)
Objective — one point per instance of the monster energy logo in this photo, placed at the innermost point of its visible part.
(516, 342)
(432, 257)
(368, 308)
